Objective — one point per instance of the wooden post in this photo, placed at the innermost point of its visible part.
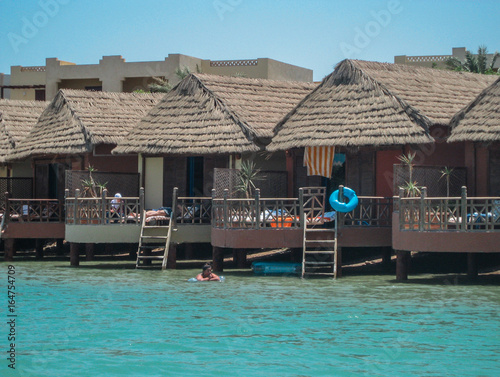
(142, 205)
(402, 264)
(89, 251)
(386, 257)
(74, 254)
(296, 255)
(103, 216)
(463, 208)
(257, 209)
(225, 209)
(76, 214)
(174, 215)
(301, 210)
(172, 257)
(472, 270)
(59, 246)
(240, 258)
(10, 248)
(218, 258)
(422, 217)
(338, 262)
(39, 248)
(188, 247)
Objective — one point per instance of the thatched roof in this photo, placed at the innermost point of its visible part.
(480, 120)
(209, 114)
(77, 120)
(376, 104)
(16, 120)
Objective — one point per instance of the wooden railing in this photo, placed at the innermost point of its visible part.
(458, 214)
(191, 210)
(255, 213)
(370, 211)
(32, 210)
(103, 210)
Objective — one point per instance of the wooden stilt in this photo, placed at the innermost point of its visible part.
(89, 251)
(386, 257)
(39, 248)
(189, 251)
(218, 259)
(74, 254)
(10, 248)
(172, 257)
(402, 264)
(338, 262)
(472, 270)
(60, 247)
(296, 255)
(240, 258)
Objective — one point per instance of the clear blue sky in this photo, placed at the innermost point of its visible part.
(315, 34)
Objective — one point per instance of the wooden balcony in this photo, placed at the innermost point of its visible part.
(447, 224)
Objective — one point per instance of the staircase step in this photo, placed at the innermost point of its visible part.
(154, 237)
(319, 251)
(312, 264)
(320, 241)
(150, 257)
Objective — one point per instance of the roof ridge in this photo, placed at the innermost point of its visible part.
(247, 130)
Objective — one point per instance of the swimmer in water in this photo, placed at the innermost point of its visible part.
(207, 274)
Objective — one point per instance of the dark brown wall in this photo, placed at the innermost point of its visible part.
(360, 172)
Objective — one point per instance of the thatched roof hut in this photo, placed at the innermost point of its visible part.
(210, 114)
(16, 120)
(480, 120)
(376, 104)
(77, 120)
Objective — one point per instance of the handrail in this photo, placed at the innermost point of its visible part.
(449, 214)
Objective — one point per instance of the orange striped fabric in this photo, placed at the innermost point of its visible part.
(319, 160)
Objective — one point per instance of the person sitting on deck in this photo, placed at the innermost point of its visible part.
(115, 205)
(207, 274)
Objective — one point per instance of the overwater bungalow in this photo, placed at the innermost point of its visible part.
(468, 222)
(374, 113)
(76, 130)
(207, 125)
(16, 120)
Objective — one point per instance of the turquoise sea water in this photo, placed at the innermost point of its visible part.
(94, 321)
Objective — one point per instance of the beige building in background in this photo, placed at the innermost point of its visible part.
(114, 74)
(438, 61)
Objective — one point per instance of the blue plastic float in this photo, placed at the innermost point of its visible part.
(276, 268)
(341, 206)
(194, 280)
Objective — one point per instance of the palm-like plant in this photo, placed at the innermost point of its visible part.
(91, 187)
(447, 172)
(474, 63)
(247, 176)
(410, 187)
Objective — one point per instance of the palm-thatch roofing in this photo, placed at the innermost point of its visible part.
(480, 120)
(211, 114)
(77, 120)
(376, 104)
(16, 120)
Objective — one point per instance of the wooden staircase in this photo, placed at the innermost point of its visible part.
(319, 250)
(154, 243)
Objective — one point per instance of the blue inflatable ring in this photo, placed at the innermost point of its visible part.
(344, 207)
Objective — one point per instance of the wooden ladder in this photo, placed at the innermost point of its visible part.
(154, 243)
(319, 251)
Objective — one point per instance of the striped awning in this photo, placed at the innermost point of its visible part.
(319, 160)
